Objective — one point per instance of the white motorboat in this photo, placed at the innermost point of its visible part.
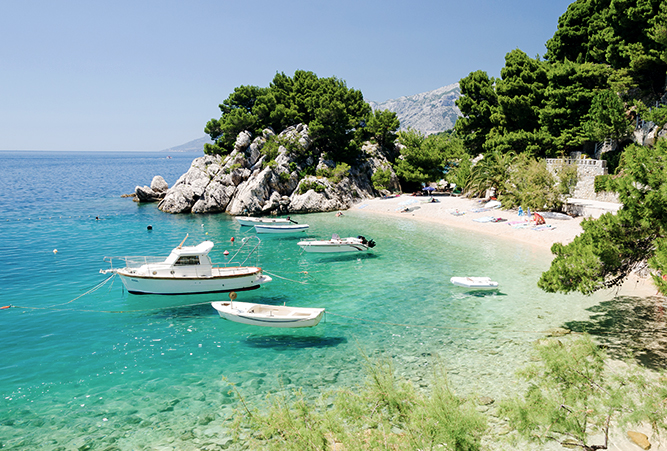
(284, 229)
(477, 283)
(250, 221)
(337, 245)
(268, 315)
(187, 270)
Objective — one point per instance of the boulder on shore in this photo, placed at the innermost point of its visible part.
(153, 193)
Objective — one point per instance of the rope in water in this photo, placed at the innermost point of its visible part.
(285, 278)
(92, 290)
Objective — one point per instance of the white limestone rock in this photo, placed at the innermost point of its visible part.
(159, 184)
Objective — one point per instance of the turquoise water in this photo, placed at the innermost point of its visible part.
(85, 364)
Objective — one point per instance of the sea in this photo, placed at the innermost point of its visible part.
(85, 365)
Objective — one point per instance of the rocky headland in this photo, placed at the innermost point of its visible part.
(246, 183)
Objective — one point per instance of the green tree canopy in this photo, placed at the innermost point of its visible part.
(478, 103)
(423, 158)
(627, 35)
(607, 118)
(335, 114)
(568, 99)
(382, 126)
(520, 91)
(611, 246)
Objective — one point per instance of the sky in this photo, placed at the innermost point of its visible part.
(145, 75)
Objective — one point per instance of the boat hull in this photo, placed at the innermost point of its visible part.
(477, 283)
(281, 229)
(250, 221)
(138, 284)
(269, 315)
(326, 247)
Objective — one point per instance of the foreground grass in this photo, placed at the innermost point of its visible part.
(573, 396)
(385, 413)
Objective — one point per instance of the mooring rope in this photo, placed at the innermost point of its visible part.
(285, 278)
(92, 290)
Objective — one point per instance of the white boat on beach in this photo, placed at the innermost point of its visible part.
(337, 245)
(280, 229)
(268, 315)
(187, 270)
(478, 283)
(250, 221)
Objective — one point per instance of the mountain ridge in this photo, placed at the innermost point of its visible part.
(429, 112)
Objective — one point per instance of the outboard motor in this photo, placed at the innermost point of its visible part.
(369, 243)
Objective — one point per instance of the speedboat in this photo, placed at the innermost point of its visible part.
(187, 270)
(250, 221)
(337, 245)
(268, 315)
(478, 283)
(276, 228)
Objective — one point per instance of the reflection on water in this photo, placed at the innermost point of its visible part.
(629, 327)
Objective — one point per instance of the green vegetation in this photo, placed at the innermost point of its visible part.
(338, 118)
(423, 158)
(305, 186)
(336, 174)
(604, 55)
(385, 413)
(532, 185)
(381, 178)
(614, 244)
(521, 180)
(573, 395)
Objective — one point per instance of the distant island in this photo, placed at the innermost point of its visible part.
(196, 145)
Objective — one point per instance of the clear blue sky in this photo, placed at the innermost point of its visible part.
(148, 75)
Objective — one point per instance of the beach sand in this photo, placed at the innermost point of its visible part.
(561, 230)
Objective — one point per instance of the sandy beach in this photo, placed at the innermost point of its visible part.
(558, 231)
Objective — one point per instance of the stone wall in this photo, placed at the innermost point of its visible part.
(587, 170)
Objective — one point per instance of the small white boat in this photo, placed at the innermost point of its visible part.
(290, 228)
(268, 315)
(478, 283)
(187, 270)
(337, 245)
(251, 221)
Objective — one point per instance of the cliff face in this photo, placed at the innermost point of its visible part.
(242, 183)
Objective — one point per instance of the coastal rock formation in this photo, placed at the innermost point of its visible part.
(245, 182)
(153, 193)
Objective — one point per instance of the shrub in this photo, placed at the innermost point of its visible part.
(233, 168)
(308, 185)
(573, 394)
(385, 413)
(531, 185)
(341, 171)
(284, 177)
(381, 178)
(604, 183)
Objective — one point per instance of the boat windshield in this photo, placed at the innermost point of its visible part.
(187, 260)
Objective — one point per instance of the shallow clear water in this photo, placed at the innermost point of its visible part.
(85, 363)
